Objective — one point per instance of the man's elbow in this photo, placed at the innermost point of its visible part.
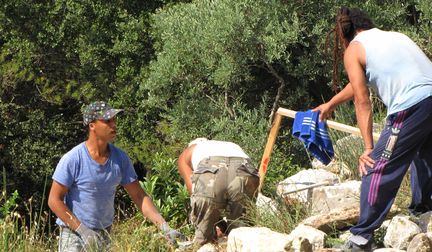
(362, 102)
(51, 201)
(181, 159)
(54, 200)
(181, 166)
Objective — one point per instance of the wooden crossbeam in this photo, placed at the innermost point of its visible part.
(282, 112)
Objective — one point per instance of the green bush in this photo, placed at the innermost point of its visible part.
(8, 203)
(164, 184)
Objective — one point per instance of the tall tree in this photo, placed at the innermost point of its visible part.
(56, 56)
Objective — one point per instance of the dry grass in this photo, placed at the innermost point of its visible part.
(17, 235)
(136, 234)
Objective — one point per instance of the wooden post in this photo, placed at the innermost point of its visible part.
(268, 149)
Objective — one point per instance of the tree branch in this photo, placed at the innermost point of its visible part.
(278, 94)
(229, 110)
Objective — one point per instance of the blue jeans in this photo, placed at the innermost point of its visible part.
(70, 241)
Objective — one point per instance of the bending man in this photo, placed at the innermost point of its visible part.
(219, 176)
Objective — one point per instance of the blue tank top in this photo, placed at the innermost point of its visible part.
(396, 68)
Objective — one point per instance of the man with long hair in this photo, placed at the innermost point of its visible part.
(401, 74)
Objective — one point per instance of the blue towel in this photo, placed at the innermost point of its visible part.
(314, 135)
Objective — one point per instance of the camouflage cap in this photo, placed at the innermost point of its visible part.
(99, 110)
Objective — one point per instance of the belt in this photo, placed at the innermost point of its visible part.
(222, 158)
(107, 229)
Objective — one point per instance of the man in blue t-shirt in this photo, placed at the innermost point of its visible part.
(85, 182)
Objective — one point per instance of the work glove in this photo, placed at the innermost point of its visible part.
(171, 235)
(91, 239)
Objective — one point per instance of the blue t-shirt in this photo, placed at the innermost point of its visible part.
(92, 186)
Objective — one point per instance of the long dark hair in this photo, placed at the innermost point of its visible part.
(348, 22)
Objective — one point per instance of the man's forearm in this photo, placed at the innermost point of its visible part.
(185, 169)
(364, 121)
(65, 214)
(150, 211)
(144, 203)
(343, 96)
(186, 175)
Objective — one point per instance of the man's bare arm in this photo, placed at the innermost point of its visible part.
(57, 205)
(184, 164)
(144, 203)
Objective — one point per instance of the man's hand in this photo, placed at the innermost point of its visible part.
(172, 235)
(91, 239)
(364, 161)
(325, 111)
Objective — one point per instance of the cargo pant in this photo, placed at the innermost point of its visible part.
(406, 140)
(70, 241)
(220, 184)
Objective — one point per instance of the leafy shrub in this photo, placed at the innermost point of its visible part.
(165, 186)
(8, 203)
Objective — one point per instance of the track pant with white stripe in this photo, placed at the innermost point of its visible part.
(406, 139)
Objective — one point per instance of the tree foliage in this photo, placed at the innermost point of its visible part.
(181, 69)
(56, 56)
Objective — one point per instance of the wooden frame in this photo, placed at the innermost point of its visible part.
(282, 112)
